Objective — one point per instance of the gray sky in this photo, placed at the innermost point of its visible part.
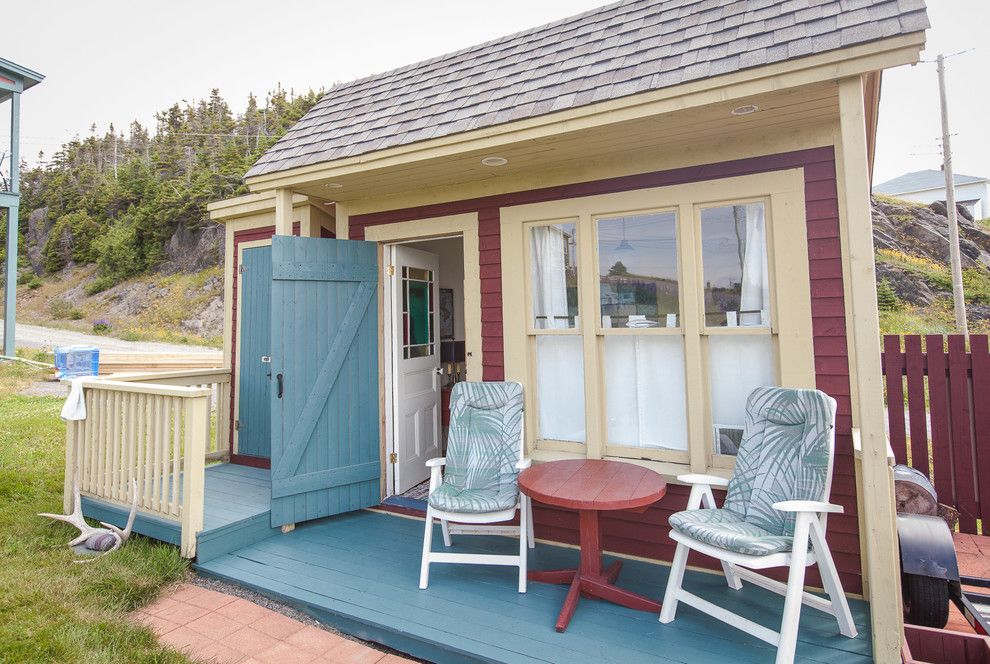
(117, 61)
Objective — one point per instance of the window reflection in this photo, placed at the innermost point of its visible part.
(734, 257)
(637, 257)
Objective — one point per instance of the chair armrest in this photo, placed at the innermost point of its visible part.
(710, 480)
(523, 464)
(436, 462)
(814, 506)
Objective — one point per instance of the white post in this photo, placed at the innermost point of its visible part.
(195, 411)
(10, 301)
(881, 565)
(283, 211)
(958, 300)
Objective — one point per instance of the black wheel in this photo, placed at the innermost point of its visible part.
(926, 601)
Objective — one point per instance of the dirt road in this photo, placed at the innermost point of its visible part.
(35, 336)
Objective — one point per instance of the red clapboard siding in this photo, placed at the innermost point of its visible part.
(646, 534)
(249, 235)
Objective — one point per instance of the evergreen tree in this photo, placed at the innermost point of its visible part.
(116, 198)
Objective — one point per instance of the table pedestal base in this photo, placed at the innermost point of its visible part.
(590, 580)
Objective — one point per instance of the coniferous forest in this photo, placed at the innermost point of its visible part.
(116, 199)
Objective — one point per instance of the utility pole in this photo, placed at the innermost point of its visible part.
(959, 303)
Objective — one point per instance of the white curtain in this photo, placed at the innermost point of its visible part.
(644, 391)
(559, 359)
(738, 365)
(560, 387)
(549, 277)
(755, 297)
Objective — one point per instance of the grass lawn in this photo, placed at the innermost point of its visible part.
(52, 610)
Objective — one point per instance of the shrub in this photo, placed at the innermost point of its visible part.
(98, 285)
(101, 325)
(887, 299)
(119, 254)
(75, 314)
(24, 277)
(60, 308)
(35, 283)
(72, 237)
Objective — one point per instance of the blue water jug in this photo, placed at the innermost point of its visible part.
(76, 361)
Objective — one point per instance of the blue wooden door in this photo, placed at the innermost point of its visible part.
(325, 421)
(254, 414)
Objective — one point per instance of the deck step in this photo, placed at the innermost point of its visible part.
(214, 543)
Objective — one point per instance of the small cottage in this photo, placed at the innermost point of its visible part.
(640, 213)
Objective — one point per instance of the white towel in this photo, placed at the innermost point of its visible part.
(75, 405)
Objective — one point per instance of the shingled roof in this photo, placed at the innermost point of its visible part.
(618, 50)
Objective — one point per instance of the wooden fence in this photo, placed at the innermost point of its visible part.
(154, 430)
(938, 417)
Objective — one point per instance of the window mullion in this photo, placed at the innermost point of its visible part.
(695, 377)
(588, 306)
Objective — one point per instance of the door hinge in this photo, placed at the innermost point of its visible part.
(237, 425)
(390, 270)
(393, 457)
(240, 268)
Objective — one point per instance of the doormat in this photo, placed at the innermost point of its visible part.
(413, 499)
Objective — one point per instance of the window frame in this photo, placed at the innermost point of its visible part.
(781, 192)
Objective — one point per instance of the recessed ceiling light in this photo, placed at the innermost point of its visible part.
(494, 161)
(333, 185)
(745, 110)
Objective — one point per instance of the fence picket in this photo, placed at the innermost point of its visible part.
(893, 363)
(963, 454)
(917, 411)
(938, 398)
(980, 355)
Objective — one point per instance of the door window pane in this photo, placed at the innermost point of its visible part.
(554, 276)
(645, 392)
(560, 387)
(637, 257)
(734, 256)
(738, 364)
(417, 312)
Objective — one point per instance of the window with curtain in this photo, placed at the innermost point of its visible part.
(644, 350)
(736, 298)
(559, 355)
(650, 317)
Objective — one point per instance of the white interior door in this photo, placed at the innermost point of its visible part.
(415, 363)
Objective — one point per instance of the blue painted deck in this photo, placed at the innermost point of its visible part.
(236, 511)
(359, 572)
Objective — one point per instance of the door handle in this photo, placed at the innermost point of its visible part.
(278, 390)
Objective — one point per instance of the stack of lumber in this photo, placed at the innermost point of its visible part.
(111, 363)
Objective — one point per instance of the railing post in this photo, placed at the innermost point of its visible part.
(73, 433)
(196, 413)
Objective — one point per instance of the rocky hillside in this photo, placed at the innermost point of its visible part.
(914, 282)
(181, 307)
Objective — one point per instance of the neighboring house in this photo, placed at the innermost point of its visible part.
(928, 186)
(724, 148)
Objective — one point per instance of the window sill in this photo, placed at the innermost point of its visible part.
(669, 471)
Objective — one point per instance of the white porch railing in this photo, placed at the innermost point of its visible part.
(155, 429)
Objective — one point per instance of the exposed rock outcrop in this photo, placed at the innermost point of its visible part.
(191, 251)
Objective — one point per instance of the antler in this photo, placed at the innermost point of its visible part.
(76, 517)
(126, 532)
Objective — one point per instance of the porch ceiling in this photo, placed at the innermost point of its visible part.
(784, 110)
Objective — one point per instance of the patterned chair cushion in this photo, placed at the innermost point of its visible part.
(728, 530)
(785, 454)
(482, 448)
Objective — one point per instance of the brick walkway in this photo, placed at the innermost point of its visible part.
(212, 627)
(973, 556)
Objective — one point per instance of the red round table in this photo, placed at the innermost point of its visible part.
(592, 486)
